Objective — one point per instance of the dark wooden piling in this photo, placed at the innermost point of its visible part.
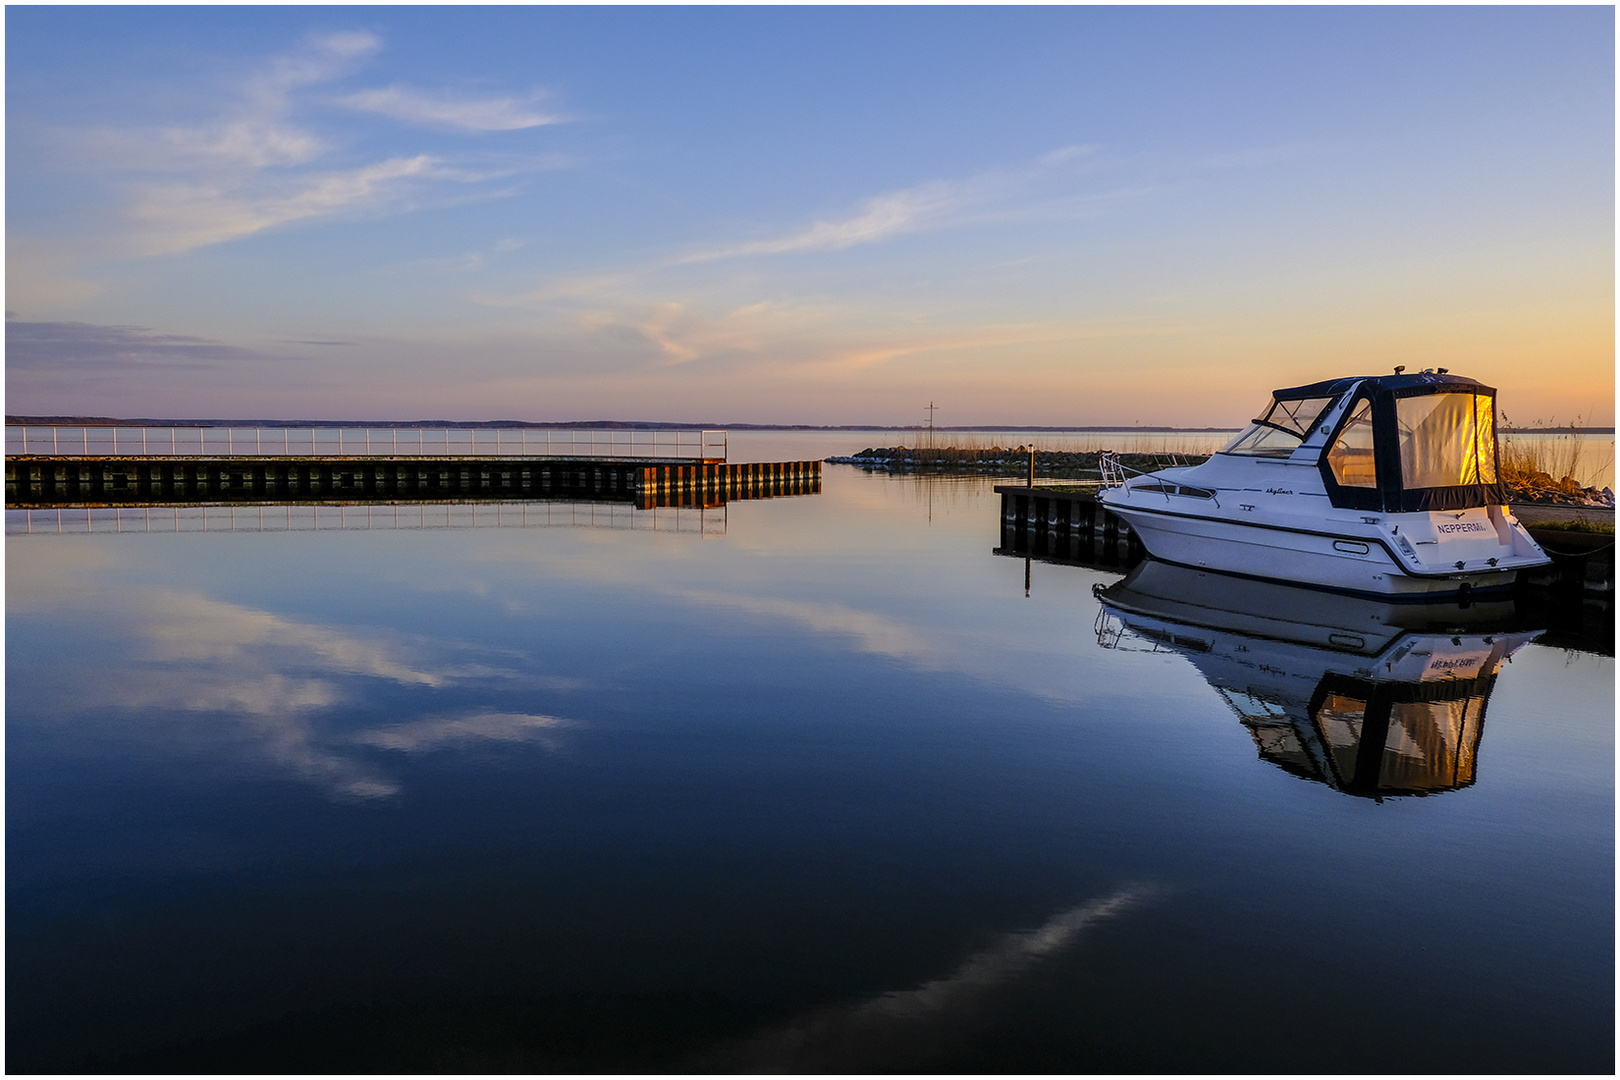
(1064, 524)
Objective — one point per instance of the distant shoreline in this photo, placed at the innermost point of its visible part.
(666, 425)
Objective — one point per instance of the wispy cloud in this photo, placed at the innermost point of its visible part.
(259, 163)
(1048, 187)
(446, 111)
(930, 205)
(878, 219)
(86, 347)
(254, 132)
(172, 218)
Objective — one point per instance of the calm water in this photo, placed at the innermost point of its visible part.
(814, 787)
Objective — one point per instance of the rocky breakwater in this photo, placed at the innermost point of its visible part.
(1002, 461)
(1573, 524)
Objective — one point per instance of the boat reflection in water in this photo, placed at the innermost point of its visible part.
(1372, 698)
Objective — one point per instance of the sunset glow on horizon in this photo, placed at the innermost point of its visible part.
(1030, 216)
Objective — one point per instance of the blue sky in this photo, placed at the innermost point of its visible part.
(806, 215)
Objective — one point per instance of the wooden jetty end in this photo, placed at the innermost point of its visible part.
(1064, 524)
(87, 474)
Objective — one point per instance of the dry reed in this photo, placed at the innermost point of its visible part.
(1550, 463)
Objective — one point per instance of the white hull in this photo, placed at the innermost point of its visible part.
(1298, 557)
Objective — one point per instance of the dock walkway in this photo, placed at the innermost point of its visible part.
(82, 470)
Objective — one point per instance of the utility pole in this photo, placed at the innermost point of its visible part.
(930, 425)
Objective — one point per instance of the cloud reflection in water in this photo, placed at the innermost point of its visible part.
(907, 1029)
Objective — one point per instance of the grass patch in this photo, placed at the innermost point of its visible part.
(1602, 528)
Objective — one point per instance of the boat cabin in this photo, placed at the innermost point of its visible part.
(1392, 443)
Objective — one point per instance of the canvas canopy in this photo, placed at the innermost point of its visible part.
(1404, 442)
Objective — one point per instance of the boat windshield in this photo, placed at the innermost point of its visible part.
(1278, 431)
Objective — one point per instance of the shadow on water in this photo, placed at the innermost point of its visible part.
(272, 517)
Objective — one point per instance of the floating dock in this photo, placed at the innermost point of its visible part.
(173, 471)
(109, 481)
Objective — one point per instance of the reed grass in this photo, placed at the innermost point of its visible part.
(1562, 463)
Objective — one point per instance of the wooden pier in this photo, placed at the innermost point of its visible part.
(105, 480)
(1064, 524)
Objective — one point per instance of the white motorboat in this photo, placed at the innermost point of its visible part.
(1382, 485)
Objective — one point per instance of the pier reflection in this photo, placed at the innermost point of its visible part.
(1370, 698)
(363, 516)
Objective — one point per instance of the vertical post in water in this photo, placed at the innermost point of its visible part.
(1031, 482)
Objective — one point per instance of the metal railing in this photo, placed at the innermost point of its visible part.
(1113, 473)
(687, 444)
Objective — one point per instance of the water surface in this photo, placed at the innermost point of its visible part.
(812, 787)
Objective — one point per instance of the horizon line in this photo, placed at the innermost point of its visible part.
(65, 420)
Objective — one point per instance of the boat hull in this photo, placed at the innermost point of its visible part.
(1361, 565)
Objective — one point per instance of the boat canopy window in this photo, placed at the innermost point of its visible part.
(1446, 440)
(1278, 431)
(1351, 456)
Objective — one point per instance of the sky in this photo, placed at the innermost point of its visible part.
(1044, 216)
